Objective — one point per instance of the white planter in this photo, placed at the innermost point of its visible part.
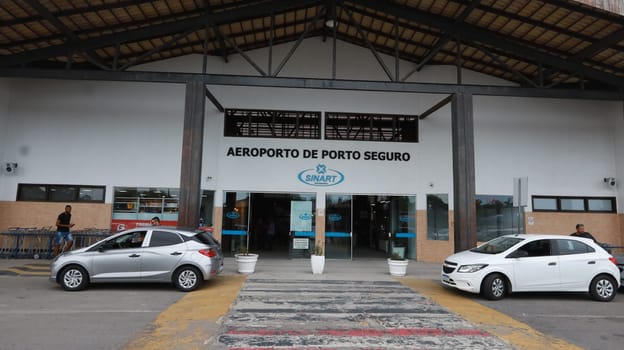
(397, 267)
(318, 263)
(246, 263)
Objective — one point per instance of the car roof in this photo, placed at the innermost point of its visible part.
(534, 236)
(181, 230)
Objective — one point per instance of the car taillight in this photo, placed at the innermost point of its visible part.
(613, 260)
(211, 253)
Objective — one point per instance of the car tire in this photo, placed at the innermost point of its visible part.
(187, 278)
(494, 287)
(74, 278)
(603, 288)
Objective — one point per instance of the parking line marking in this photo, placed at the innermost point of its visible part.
(19, 271)
(188, 323)
(519, 334)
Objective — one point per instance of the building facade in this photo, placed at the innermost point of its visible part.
(286, 166)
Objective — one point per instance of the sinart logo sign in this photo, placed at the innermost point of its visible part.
(321, 176)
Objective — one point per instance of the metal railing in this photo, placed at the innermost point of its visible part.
(38, 242)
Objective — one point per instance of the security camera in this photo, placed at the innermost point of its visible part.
(610, 181)
(10, 168)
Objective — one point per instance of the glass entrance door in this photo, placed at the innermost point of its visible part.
(235, 231)
(338, 237)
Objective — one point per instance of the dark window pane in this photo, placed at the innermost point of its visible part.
(31, 193)
(496, 216)
(437, 217)
(62, 193)
(537, 248)
(164, 238)
(568, 246)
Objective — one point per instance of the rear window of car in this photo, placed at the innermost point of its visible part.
(206, 238)
(497, 245)
(164, 238)
(568, 247)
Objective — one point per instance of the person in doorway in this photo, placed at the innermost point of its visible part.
(63, 224)
(580, 232)
(155, 221)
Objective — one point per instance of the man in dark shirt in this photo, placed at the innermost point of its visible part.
(580, 232)
(63, 224)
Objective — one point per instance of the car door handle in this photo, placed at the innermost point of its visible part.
(176, 253)
(134, 256)
(552, 263)
(591, 262)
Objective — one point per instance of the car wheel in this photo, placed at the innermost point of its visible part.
(494, 287)
(74, 278)
(187, 278)
(603, 288)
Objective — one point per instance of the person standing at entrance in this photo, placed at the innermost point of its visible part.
(63, 224)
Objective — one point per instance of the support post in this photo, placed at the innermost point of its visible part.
(465, 210)
(192, 145)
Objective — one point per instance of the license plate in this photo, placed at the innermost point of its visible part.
(445, 277)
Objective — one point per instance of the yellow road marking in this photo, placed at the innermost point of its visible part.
(188, 323)
(37, 267)
(519, 334)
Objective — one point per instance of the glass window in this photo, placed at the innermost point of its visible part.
(544, 203)
(62, 193)
(164, 238)
(540, 247)
(136, 206)
(31, 192)
(572, 204)
(437, 217)
(568, 246)
(600, 205)
(496, 216)
(88, 194)
(128, 240)
(497, 245)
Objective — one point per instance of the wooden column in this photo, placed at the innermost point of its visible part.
(465, 210)
(192, 145)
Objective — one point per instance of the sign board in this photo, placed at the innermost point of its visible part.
(301, 243)
(301, 216)
(521, 191)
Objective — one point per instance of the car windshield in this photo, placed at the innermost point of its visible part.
(497, 245)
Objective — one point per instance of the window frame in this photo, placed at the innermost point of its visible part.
(256, 123)
(374, 132)
(48, 189)
(585, 204)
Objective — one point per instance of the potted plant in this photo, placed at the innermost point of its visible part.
(397, 265)
(317, 260)
(246, 261)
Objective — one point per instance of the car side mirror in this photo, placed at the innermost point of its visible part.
(518, 254)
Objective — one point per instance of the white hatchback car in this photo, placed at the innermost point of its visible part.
(534, 263)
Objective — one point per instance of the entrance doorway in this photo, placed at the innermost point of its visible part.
(269, 223)
(370, 226)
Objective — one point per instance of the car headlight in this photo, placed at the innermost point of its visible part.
(471, 268)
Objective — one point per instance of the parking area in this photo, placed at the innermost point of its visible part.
(352, 305)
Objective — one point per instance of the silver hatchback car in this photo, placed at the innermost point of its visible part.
(146, 254)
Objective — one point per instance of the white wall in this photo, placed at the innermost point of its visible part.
(130, 134)
(5, 93)
(619, 156)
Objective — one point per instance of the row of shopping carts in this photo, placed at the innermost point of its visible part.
(38, 242)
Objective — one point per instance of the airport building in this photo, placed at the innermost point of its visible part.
(330, 146)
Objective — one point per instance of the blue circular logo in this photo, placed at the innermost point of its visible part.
(305, 216)
(334, 217)
(321, 176)
(232, 215)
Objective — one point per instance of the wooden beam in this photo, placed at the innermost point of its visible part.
(465, 210)
(192, 145)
